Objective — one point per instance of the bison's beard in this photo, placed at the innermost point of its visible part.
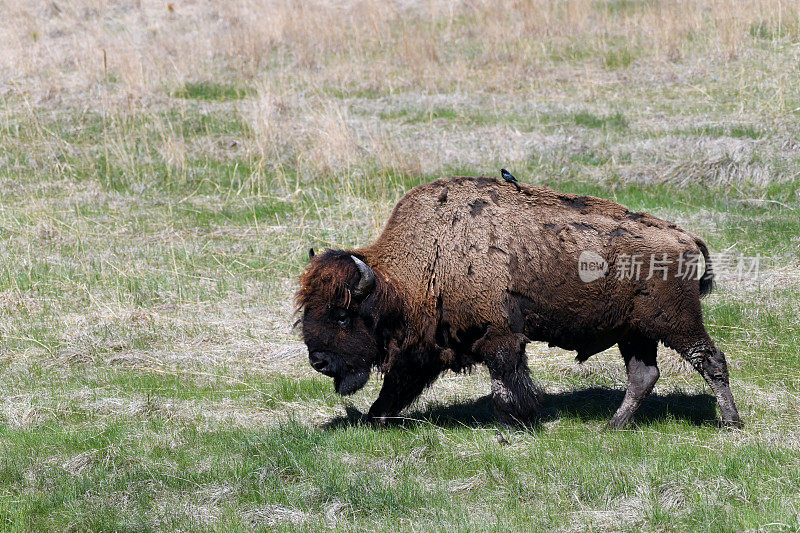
(351, 382)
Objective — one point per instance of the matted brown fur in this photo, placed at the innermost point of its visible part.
(470, 269)
(481, 249)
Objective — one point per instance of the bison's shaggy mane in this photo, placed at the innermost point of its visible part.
(329, 279)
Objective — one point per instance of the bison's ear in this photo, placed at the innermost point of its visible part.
(311, 254)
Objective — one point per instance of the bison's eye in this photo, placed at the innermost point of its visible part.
(341, 317)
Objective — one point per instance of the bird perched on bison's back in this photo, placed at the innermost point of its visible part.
(509, 178)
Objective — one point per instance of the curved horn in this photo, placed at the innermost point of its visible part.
(367, 281)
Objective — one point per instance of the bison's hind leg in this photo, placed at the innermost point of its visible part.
(681, 328)
(711, 364)
(515, 396)
(640, 361)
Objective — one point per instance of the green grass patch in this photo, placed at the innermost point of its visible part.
(569, 52)
(622, 7)
(592, 158)
(740, 131)
(620, 56)
(212, 385)
(772, 30)
(615, 121)
(416, 116)
(369, 473)
(209, 90)
(236, 214)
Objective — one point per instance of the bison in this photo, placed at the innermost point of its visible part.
(469, 270)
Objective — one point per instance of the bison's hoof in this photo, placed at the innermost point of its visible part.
(380, 421)
(614, 425)
(733, 424)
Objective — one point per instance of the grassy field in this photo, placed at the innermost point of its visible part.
(164, 168)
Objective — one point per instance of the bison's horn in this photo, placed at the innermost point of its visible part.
(367, 281)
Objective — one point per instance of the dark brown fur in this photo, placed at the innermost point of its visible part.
(469, 270)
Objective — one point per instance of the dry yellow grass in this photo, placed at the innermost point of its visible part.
(327, 74)
(71, 47)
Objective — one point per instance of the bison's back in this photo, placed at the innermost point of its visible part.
(481, 251)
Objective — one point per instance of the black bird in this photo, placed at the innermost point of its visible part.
(509, 178)
(501, 440)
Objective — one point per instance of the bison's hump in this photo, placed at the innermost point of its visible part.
(445, 192)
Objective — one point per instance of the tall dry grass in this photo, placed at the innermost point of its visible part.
(72, 47)
(321, 76)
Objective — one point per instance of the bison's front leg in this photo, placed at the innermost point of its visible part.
(515, 396)
(401, 386)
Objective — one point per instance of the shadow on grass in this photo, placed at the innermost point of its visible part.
(589, 404)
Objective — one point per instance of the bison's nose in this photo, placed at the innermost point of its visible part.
(321, 362)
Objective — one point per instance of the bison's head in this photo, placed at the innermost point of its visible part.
(337, 318)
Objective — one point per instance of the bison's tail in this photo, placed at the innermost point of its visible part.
(707, 279)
